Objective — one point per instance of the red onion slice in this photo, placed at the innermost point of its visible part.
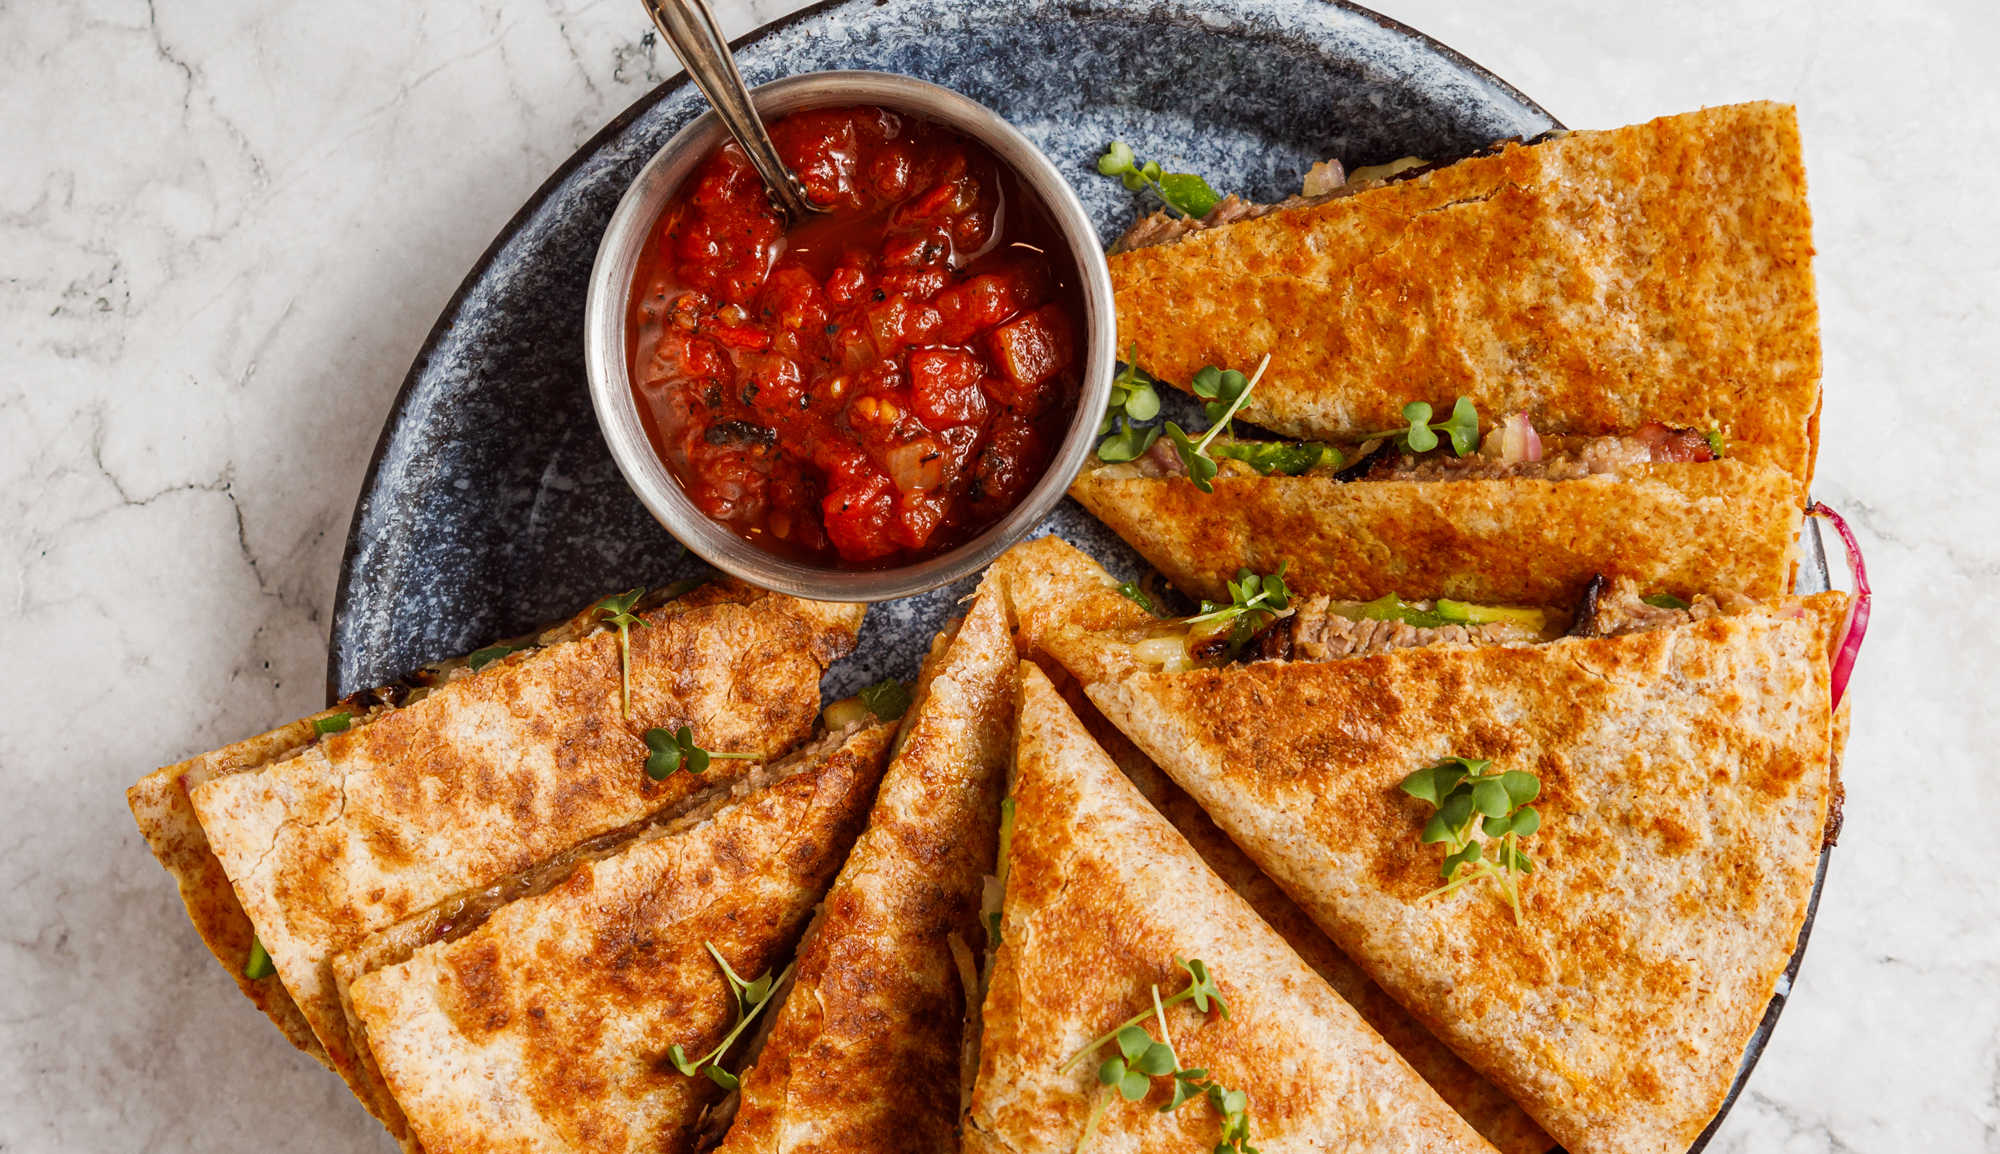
(1856, 627)
(1518, 440)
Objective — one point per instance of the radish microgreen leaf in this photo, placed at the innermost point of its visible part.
(751, 998)
(1140, 1059)
(673, 749)
(1225, 397)
(1184, 192)
(1465, 791)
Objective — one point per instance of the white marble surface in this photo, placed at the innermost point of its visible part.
(225, 228)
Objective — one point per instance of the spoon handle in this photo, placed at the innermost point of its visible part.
(691, 30)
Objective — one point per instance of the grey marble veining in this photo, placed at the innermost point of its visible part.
(226, 228)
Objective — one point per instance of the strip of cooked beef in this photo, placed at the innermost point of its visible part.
(1613, 607)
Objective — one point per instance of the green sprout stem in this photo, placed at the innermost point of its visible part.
(1134, 1020)
(1230, 413)
(750, 998)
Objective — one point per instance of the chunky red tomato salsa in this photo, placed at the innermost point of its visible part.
(878, 384)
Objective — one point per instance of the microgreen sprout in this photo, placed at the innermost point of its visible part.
(886, 699)
(1225, 397)
(1184, 192)
(1464, 794)
(258, 965)
(1133, 399)
(334, 723)
(751, 998)
(1249, 592)
(1131, 592)
(1140, 1059)
(1462, 427)
(618, 611)
(675, 748)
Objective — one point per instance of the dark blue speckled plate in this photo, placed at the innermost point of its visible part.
(492, 504)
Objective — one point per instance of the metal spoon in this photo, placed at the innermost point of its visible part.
(691, 29)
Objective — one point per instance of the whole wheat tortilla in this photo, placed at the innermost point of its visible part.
(865, 1054)
(1657, 272)
(547, 1028)
(1685, 779)
(1680, 528)
(1102, 895)
(1051, 585)
(493, 772)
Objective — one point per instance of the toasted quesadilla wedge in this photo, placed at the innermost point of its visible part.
(1106, 908)
(1730, 524)
(492, 771)
(1598, 281)
(166, 818)
(1051, 584)
(550, 1021)
(1684, 776)
(865, 1055)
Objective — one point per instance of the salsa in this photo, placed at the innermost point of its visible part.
(879, 383)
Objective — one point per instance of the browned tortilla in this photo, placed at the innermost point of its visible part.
(548, 1027)
(1051, 584)
(1685, 778)
(166, 818)
(865, 1054)
(1658, 272)
(1102, 895)
(1680, 528)
(495, 771)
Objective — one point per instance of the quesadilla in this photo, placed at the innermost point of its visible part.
(1597, 281)
(1609, 979)
(1051, 585)
(1679, 526)
(866, 1052)
(555, 1012)
(326, 834)
(1108, 914)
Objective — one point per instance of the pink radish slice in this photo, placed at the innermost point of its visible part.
(1857, 613)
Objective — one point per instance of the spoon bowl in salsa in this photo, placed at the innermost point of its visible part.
(875, 401)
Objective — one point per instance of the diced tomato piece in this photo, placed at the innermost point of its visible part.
(859, 519)
(1010, 460)
(986, 300)
(918, 515)
(944, 384)
(1034, 348)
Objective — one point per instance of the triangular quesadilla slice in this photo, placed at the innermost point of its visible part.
(406, 798)
(556, 1012)
(866, 1053)
(1108, 908)
(1594, 280)
(1465, 529)
(1051, 584)
(1682, 775)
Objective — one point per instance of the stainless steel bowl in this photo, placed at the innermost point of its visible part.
(611, 378)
